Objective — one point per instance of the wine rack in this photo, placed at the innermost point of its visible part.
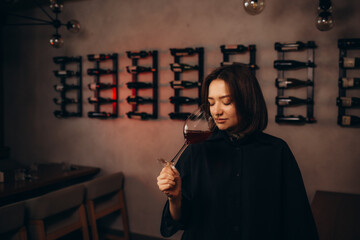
(64, 87)
(97, 86)
(179, 85)
(228, 50)
(282, 65)
(135, 85)
(346, 103)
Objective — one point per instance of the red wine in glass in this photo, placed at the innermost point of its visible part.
(196, 136)
(196, 129)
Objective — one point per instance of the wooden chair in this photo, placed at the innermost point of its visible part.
(12, 222)
(105, 195)
(337, 215)
(57, 213)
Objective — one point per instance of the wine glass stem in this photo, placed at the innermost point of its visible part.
(182, 149)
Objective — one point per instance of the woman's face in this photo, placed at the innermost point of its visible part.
(222, 107)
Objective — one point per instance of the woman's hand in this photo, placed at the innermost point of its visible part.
(169, 182)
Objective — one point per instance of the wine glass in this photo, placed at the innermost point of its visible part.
(196, 129)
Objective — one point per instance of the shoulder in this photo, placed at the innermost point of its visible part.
(265, 138)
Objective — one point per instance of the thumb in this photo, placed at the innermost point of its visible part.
(175, 171)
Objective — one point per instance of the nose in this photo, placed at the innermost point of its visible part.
(216, 110)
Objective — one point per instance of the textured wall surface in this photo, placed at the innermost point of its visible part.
(328, 155)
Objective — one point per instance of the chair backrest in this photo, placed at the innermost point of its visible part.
(12, 217)
(337, 215)
(104, 185)
(55, 202)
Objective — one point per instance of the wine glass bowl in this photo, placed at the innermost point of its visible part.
(196, 129)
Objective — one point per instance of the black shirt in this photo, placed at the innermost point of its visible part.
(245, 189)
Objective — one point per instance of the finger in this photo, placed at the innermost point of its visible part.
(166, 183)
(166, 170)
(175, 171)
(165, 176)
(165, 187)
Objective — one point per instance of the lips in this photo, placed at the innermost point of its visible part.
(220, 120)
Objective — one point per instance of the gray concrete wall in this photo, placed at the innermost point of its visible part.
(327, 154)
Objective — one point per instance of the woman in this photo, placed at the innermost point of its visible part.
(240, 183)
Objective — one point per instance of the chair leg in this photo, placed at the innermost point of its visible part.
(92, 219)
(22, 234)
(124, 215)
(39, 229)
(83, 221)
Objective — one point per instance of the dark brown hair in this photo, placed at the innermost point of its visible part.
(245, 92)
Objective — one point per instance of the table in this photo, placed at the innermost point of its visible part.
(49, 177)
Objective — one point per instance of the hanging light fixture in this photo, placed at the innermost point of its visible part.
(325, 20)
(56, 40)
(254, 7)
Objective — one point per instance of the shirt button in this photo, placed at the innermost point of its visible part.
(236, 228)
(238, 174)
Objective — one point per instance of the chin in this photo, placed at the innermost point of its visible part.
(222, 127)
(226, 127)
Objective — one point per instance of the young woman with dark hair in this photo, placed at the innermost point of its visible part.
(240, 183)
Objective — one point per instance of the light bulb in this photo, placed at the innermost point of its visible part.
(324, 21)
(56, 41)
(254, 7)
(73, 26)
(55, 6)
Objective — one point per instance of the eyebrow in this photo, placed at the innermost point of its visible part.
(221, 97)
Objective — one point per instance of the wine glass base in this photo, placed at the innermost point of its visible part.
(165, 163)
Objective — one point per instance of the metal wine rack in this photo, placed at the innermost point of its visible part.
(228, 50)
(135, 85)
(99, 86)
(63, 74)
(283, 101)
(344, 103)
(178, 68)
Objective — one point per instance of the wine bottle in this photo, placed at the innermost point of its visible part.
(352, 43)
(98, 71)
(291, 64)
(59, 60)
(63, 114)
(184, 100)
(348, 102)
(139, 85)
(64, 101)
(100, 100)
(139, 69)
(142, 115)
(291, 101)
(179, 115)
(94, 86)
(65, 73)
(182, 67)
(233, 49)
(182, 51)
(178, 84)
(290, 46)
(290, 119)
(101, 115)
(64, 87)
(348, 120)
(99, 57)
(251, 66)
(139, 54)
(138, 100)
(226, 63)
(291, 83)
(347, 62)
(349, 82)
